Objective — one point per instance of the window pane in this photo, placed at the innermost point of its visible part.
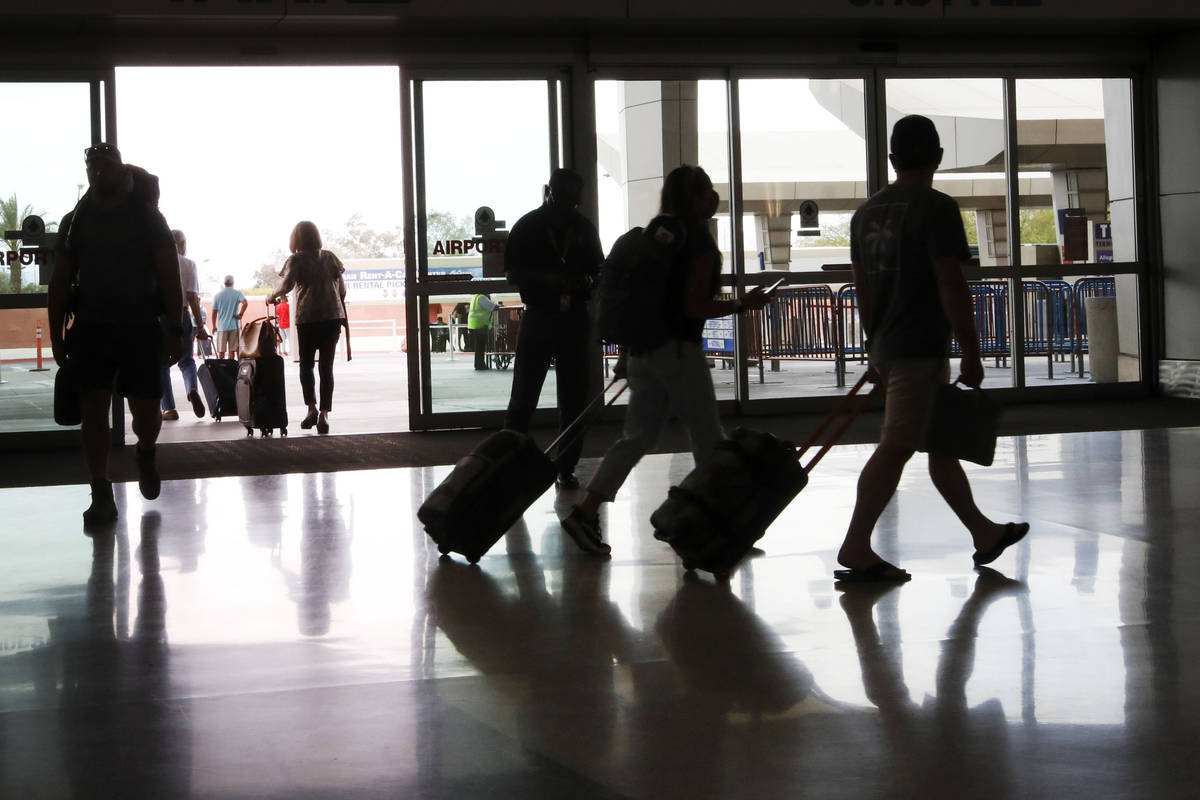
(1076, 146)
(1076, 139)
(969, 115)
(644, 129)
(804, 172)
(43, 176)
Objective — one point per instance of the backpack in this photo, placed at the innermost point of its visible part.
(636, 309)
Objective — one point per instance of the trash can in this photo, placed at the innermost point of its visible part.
(1102, 338)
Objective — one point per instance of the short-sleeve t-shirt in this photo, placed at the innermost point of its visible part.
(113, 250)
(895, 237)
(316, 277)
(188, 281)
(226, 304)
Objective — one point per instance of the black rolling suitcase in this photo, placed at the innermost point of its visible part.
(490, 488)
(218, 381)
(261, 397)
(720, 510)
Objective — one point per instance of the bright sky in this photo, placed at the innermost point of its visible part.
(244, 153)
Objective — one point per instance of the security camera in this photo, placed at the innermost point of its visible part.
(485, 220)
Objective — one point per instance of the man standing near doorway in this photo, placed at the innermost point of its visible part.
(553, 255)
(227, 309)
(907, 248)
(191, 311)
(479, 323)
(116, 272)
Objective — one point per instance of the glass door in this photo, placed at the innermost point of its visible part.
(54, 117)
(481, 154)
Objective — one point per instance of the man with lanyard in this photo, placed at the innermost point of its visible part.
(117, 274)
(479, 322)
(553, 255)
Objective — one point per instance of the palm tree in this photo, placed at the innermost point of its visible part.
(11, 216)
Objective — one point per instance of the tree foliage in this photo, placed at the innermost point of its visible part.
(1038, 226)
(359, 241)
(11, 217)
(267, 274)
(442, 226)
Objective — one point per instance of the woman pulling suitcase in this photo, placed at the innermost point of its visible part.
(673, 377)
(320, 314)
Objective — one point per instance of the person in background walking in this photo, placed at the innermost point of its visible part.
(191, 311)
(283, 312)
(227, 309)
(674, 377)
(316, 275)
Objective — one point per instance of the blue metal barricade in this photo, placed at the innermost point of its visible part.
(1061, 308)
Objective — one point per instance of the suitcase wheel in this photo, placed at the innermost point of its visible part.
(249, 431)
(283, 431)
(265, 432)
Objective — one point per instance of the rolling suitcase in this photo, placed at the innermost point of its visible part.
(490, 488)
(261, 396)
(218, 379)
(721, 509)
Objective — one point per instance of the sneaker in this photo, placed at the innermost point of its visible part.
(566, 480)
(585, 531)
(103, 508)
(149, 481)
(197, 403)
(170, 415)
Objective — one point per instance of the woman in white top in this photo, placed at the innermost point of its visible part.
(319, 314)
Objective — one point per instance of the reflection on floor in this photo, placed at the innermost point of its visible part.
(296, 636)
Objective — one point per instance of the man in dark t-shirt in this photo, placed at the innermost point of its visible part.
(116, 278)
(907, 246)
(553, 255)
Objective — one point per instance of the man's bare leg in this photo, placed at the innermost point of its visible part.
(951, 482)
(147, 423)
(93, 413)
(876, 485)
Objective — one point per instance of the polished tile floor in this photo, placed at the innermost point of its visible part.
(296, 636)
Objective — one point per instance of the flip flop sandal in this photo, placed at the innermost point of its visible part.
(879, 572)
(1013, 533)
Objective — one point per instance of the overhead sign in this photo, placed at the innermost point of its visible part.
(1102, 243)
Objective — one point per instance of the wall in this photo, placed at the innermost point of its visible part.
(1177, 84)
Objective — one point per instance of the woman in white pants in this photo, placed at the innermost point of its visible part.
(674, 377)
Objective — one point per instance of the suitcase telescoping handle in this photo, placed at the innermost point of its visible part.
(584, 421)
(847, 408)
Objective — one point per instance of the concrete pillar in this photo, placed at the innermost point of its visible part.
(992, 226)
(658, 127)
(775, 240)
(1118, 151)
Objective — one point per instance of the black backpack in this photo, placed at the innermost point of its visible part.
(636, 307)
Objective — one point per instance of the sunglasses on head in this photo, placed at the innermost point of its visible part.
(102, 149)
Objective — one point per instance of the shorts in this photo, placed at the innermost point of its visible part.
(911, 384)
(126, 359)
(228, 341)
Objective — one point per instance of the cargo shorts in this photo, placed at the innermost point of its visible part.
(911, 386)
